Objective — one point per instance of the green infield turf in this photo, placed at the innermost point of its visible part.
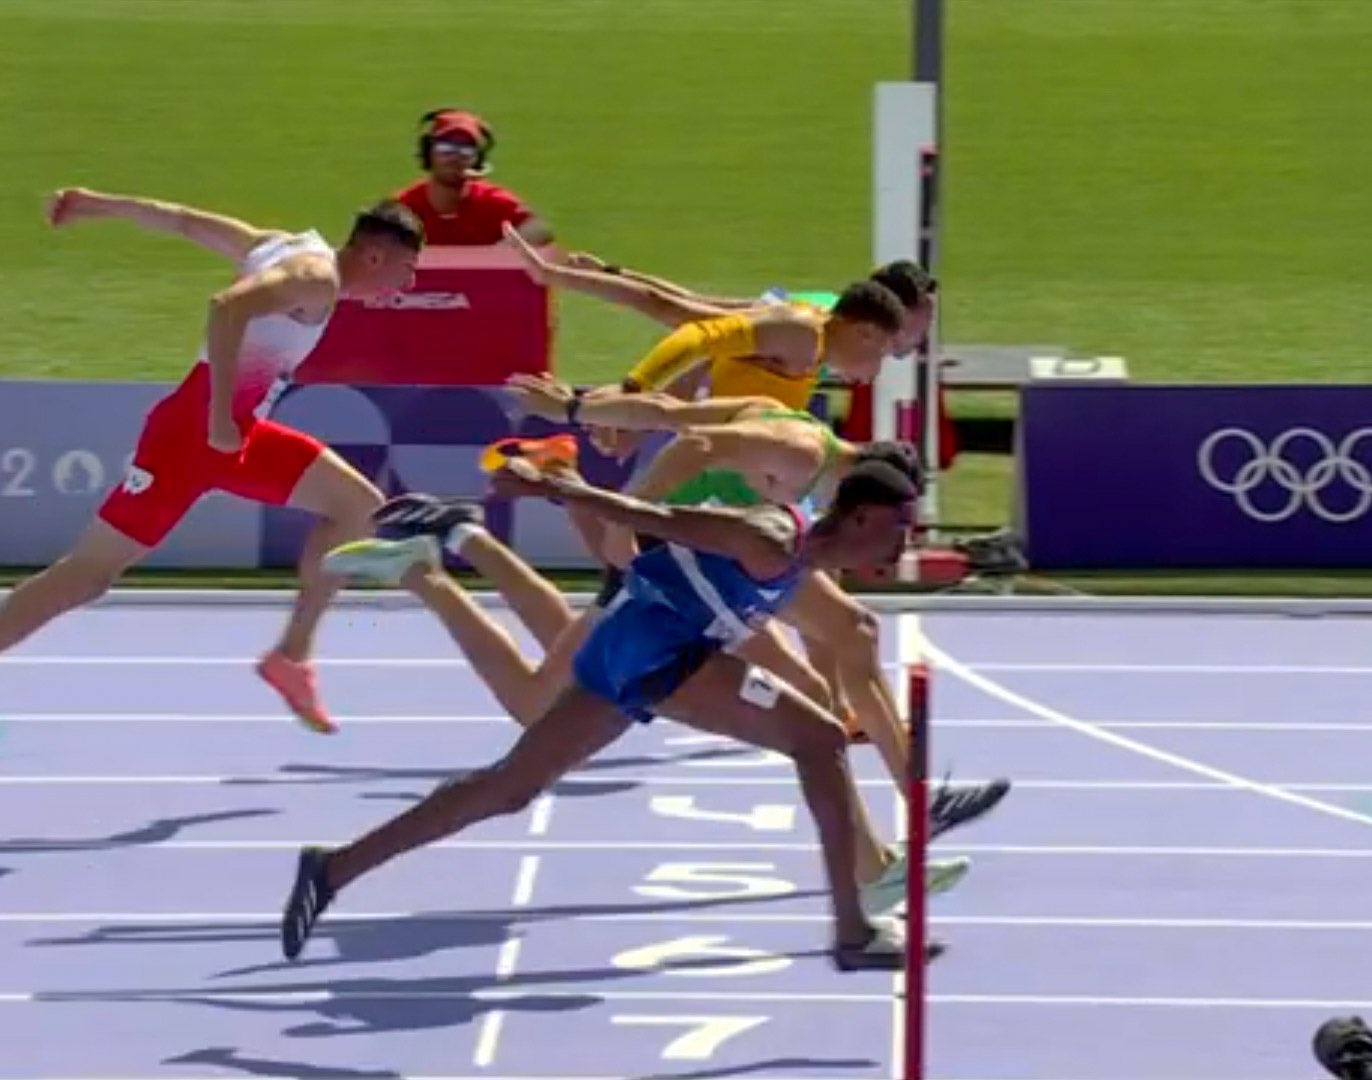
(1176, 181)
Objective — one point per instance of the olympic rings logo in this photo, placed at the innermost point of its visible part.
(1302, 484)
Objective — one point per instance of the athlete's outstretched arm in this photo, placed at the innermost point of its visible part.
(754, 540)
(754, 449)
(306, 281)
(224, 235)
(611, 407)
(585, 261)
(700, 299)
(661, 306)
(710, 447)
(536, 231)
(687, 387)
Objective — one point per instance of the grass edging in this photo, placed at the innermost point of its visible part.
(1352, 584)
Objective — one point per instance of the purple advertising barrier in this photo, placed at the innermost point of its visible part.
(64, 445)
(1195, 477)
(430, 439)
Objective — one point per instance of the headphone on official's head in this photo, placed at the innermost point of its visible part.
(485, 144)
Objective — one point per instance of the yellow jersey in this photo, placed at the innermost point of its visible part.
(733, 377)
(729, 344)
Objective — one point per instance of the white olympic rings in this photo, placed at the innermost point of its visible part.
(1304, 485)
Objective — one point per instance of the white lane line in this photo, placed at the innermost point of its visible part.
(989, 686)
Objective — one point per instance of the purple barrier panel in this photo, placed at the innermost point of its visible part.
(1199, 477)
(430, 439)
(64, 445)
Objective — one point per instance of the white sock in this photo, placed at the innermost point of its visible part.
(458, 535)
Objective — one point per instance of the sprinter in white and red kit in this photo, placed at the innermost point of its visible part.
(211, 433)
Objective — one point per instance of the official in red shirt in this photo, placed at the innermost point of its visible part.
(457, 207)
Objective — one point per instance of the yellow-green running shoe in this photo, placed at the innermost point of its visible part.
(887, 893)
(382, 561)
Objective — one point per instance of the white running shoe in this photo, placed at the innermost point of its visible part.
(382, 561)
(888, 892)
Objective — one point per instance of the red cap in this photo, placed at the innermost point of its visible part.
(466, 124)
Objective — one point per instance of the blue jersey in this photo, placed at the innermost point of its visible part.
(676, 609)
(711, 593)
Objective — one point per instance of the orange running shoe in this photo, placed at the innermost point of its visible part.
(294, 680)
(552, 452)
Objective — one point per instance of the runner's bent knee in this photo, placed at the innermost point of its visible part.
(335, 490)
(784, 720)
(812, 733)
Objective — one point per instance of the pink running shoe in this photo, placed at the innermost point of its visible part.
(294, 680)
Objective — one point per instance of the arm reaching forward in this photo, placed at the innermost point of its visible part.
(611, 407)
(223, 235)
(762, 540)
(665, 305)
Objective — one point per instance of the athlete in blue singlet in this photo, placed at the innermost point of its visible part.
(675, 609)
(663, 646)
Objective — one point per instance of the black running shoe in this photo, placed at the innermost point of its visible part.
(1343, 1045)
(954, 806)
(884, 949)
(417, 514)
(310, 897)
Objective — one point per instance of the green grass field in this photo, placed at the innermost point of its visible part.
(1181, 182)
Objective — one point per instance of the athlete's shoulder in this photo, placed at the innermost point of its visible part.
(807, 317)
(304, 253)
(314, 267)
(779, 524)
(789, 333)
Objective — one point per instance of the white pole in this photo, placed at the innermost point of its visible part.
(928, 368)
(905, 118)
(928, 32)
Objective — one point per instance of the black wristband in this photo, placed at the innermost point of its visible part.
(574, 406)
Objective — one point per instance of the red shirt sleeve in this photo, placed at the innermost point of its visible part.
(484, 210)
(504, 205)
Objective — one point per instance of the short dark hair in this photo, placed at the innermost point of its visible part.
(873, 483)
(907, 279)
(871, 302)
(391, 219)
(904, 456)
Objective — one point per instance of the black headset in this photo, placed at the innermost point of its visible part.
(484, 145)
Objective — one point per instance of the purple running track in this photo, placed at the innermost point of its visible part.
(1173, 891)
